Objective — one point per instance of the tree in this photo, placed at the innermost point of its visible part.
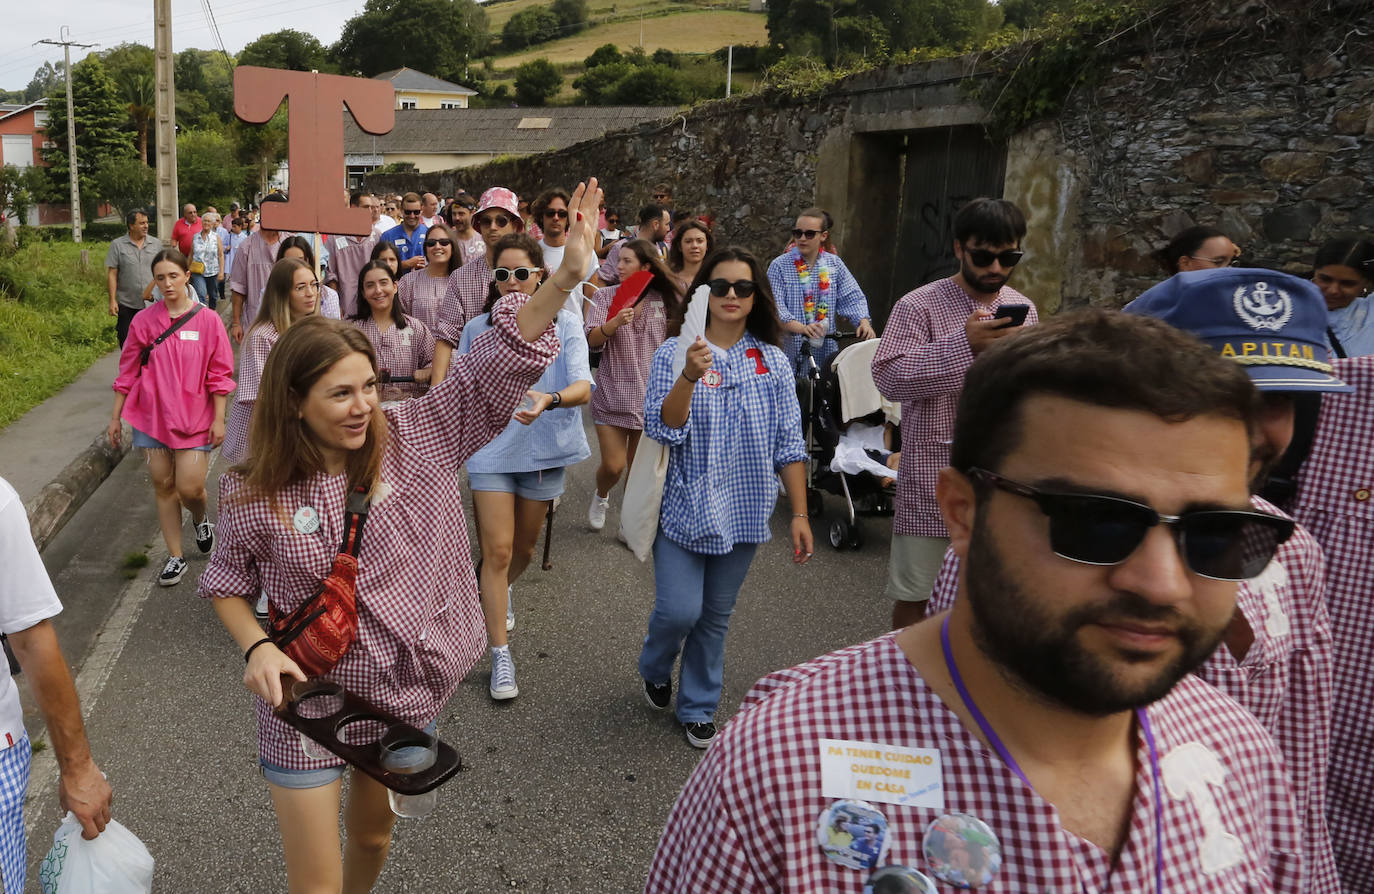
(127, 184)
(433, 36)
(536, 82)
(650, 85)
(45, 80)
(205, 93)
(602, 55)
(20, 188)
(530, 26)
(597, 85)
(100, 137)
(288, 49)
(572, 14)
(665, 56)
(208, 170)
(140, 97)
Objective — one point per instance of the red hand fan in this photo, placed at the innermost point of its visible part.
(630, 291)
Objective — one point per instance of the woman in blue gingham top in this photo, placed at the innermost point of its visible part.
(731, 421)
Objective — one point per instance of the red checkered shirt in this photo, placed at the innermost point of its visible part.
(253, 262)
(400, 352)
(474, 246)
(421, 295)
(420, 626)
(1334, 503)
(257, 344)
(623, 376)
(347, 257)
(921, 362)
(464, 297)
(747, 818)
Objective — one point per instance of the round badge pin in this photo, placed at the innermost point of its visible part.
(962, 851)
(897, 879)
(1362, 494)
(853, 834)
(711, 378)
(306, 520)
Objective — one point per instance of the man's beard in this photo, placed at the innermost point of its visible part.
(988, 285)
(1041, 652)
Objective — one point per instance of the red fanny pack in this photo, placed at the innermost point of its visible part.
(322, 628)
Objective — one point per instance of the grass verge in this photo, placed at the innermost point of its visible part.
(54, 321)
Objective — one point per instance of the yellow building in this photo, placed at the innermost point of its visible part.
(417, 90)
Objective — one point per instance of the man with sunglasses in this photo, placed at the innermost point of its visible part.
(498, 213)
(1100, 504)
(409, 235)
(551, 210)
(931, 337)
(653, 227)
(812, 287)
(470, 241)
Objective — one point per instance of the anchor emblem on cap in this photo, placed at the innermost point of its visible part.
(1262, 307)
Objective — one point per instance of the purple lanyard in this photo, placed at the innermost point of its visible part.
(996, 742)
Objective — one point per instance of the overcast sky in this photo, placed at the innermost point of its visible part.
(112, 22)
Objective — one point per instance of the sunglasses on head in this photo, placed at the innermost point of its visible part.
(521, 274)
(496, 220)
(799, 233)
(430, 243)
(556, 212)
(721, 287)
(1221, 544)
(982, 257)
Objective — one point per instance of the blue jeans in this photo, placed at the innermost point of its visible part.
(207, 287)
(694, 596)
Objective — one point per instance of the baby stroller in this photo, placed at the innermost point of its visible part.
(825, 421)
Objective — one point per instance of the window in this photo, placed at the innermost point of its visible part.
(407, 103)
(450, 104)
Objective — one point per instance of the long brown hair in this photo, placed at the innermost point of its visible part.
(282, 449)
(664, 282)
(675, 259)
(364, 311)
(276, 296)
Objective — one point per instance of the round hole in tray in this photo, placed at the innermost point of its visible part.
(362, 730)
(317, 699)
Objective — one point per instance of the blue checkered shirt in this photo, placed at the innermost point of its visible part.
(845, 297)
(720, 488)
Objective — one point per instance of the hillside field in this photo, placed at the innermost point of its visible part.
(700, 31)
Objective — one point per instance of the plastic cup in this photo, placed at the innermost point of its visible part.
(406, 753)
(315, 700)
(526, 405)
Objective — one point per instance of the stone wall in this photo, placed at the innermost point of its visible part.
(1263, 128)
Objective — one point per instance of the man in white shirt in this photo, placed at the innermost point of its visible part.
(551, 212)
(429, 209)
(380, 222)
(27, 605)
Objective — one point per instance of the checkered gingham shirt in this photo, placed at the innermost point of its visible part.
(921, 362)
(1334, 503)
(347, 257)
(420, 626)
(623, 376)
(471, 248)
(845, 297)
(402, 351)
(747, 819)
(421, 296)
(253, 262)
(1284, 679)
(464, 296)
(721, 484)
(257, 344)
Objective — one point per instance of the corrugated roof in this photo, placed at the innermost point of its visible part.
(410, 79)
(497, 131)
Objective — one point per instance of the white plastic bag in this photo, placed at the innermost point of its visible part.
(116, 862)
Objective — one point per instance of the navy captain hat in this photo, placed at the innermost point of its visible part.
(1272, 323)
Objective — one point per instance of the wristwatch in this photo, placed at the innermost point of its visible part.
(557, 401)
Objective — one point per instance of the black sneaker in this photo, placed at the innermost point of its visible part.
(699, 735)
(172, 572)
(658, 696)
(205, 535)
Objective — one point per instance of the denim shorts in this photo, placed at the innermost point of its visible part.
(546, 484)
(284, 778)
(151, 443)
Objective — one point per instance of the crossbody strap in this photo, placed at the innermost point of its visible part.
(355, 516)
(167, 333)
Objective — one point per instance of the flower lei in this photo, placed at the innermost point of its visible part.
(816, 310)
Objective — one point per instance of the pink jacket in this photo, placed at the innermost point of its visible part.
(171, 399)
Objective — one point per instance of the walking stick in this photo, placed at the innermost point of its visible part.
(548, 537)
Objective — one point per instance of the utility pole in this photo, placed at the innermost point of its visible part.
(66, 45)
(165, 109)
(729, 68)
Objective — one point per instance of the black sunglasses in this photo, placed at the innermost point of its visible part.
(410, 211)
(555, 212)
(496, 220)
(1221, 544)
(430, 243)
(982, 257)
(521, 274)
(798, 233)
(721, 287)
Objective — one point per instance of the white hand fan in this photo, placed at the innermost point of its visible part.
(692, 326)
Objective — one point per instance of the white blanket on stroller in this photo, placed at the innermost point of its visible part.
(851, 455)
(858, 395)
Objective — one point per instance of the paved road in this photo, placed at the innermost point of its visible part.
(565, 789)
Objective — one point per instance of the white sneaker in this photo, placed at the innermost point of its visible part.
(510, 610)
(503, 674)
(596, 513)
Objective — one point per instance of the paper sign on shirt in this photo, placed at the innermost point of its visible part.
(188, 335)
(890, 774)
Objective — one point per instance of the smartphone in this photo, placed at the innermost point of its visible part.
(1016, 313)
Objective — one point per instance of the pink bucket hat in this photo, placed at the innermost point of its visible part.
(504, 199)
